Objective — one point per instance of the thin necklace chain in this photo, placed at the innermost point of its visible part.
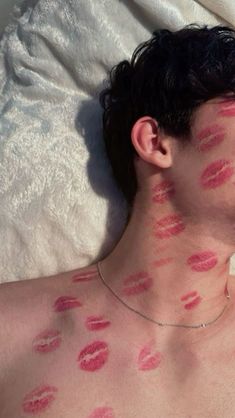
(160, 323)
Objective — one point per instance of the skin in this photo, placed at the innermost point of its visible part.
(207, 224)
(80, 336)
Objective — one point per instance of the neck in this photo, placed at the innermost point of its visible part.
(185, 277)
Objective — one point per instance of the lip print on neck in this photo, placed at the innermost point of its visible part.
(169, 226)
(194, 302)
(163, 191)
(202, 261)
(137, 283)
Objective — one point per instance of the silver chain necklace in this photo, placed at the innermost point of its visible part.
(160, 323)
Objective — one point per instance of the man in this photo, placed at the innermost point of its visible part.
(150, 330)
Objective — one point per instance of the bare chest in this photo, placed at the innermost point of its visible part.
(100, 377)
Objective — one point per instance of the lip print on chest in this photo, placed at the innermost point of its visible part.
(149, 358)
(39, 399)
(93, 356)
(102, 412)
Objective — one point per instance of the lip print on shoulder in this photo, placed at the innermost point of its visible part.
(85, 276)
(66, 302)
(94, 323)
(47, 341)
(39, 399)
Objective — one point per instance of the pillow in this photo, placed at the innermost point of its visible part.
(60, 206)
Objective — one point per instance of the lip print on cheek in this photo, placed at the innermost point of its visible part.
(202, 261)
(102, 412)
(94, 323)
(169, 226)
(93, 356)
(148, 359)
(137, 283)
(196, 299)
(66, 302)
(210, 136)
(226, 108)
(85, 276)
(47, 341)
(39, 399)
(216, 174)
(163, 191)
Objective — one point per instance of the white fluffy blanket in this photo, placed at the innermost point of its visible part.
(59, 205)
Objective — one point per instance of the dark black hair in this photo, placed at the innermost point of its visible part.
(168, 77)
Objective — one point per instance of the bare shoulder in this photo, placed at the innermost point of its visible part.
(29, 306)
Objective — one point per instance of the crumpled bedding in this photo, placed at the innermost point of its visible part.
(60, 208)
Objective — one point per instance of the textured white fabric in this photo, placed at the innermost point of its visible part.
(60, 208)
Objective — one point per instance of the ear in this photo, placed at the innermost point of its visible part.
(150, 145)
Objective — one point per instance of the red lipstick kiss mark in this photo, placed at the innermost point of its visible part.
(168, 226)
(138, 283)
(96, 322)
(39, 399)
(147, 360)
(102, 412)
(162, 261)
(194, 302)
(47, 341)
(164, 191)
(210, 136)
(202, 261)
(226, 108)
(85, 276)
(66, 302)
(93, 356)
(216, 174)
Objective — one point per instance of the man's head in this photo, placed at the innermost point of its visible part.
(163, 95)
